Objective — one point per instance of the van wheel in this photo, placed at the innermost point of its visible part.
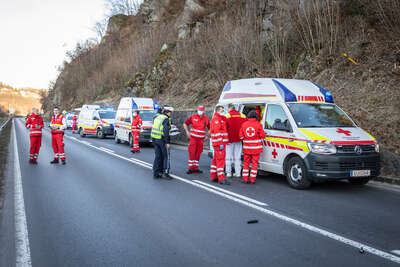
(359, 181)
(81, 132)
(296, 174)
(100, 134)
(130, 140)
(117, 141)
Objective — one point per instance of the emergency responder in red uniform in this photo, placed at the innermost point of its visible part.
(58, 126)
(219, 139)
(252, 134)
(34, 123)
(136, 125)
(234, 121)
(200, 123)
(74, 119)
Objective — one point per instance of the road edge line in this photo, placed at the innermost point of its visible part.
(22, 249)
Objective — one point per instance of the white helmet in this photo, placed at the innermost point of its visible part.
(168, 108)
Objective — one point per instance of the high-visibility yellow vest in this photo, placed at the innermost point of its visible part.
(157, 131)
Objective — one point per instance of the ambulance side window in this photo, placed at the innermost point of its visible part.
(276, 119)
(121, 115)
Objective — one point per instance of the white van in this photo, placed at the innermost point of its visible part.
(309, 138)
(96, 120)
(123, 121)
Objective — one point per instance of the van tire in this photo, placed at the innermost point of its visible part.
(116, 139)
(100, 134)
(81, 132)
(359, 181)
(296, 173)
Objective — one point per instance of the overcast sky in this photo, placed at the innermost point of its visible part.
(35, 35)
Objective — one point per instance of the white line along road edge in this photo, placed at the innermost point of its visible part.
(309, 227)
(22, 250)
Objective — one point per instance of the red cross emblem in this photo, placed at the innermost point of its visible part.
(250, 131)
(347, 133)
(274, 153)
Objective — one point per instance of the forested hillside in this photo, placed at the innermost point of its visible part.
(182, 52)
(20, 100)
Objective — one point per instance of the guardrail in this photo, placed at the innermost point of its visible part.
(4, 123)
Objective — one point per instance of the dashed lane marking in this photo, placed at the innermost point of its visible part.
(22, 249)
(396, 252)
(309, 227)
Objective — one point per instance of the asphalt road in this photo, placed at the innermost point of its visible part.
(104, 209)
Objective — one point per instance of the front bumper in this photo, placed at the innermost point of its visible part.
(145, 136)
(108, 130)
(338, 166)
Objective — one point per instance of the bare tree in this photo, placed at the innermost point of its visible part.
(100, 29)
(126, 7)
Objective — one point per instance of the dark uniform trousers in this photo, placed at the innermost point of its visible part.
(160, 165)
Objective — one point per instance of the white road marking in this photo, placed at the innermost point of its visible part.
(396, 252)
(232, 193)
(22, 250)
(309, 227)
(143, 162)
(106, 149)
(4, 124)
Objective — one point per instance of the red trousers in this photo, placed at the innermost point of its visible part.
(36, 142)
(135, 136)
(195, 149)
(58, 146)
(73, 127)
(247, 159)
(218, 164)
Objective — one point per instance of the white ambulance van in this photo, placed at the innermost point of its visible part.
(123, 121)
(96, 120)
(309, 138)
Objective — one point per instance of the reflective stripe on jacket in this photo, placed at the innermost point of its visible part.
(35, 124)
(157, 131)
(58, 121)
(199, 125)
(136, 123)
(218, 131)
(252, 134)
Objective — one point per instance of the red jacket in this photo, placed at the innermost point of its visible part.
(58, 121)
(252, 134)
(200, 124)
(218, 131)
(234, 121)
(35, 124)
(74, 119)
(136, 123)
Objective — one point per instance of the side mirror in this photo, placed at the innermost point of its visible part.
(95, 118)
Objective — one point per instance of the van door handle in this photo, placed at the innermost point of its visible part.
(291, 140)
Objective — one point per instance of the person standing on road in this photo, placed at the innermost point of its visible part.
(200, 123)
(34, 123)
(161, 142)
(219, 139)
(136, 126)
(252, 134)
(58, 126)
(234, 121)
(74, 119)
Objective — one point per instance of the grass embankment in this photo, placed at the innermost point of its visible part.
(4, 141)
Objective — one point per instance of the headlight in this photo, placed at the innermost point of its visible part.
(376, 147)
(321, 148)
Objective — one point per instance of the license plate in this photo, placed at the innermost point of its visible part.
(360, 173)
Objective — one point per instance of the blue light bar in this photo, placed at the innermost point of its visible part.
(285, 92)
(227, 87)
(328, 96)
(134, 106)
(156, 105)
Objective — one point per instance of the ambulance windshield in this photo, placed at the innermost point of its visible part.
(147, 115)
(107, 114)
(309, 115)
